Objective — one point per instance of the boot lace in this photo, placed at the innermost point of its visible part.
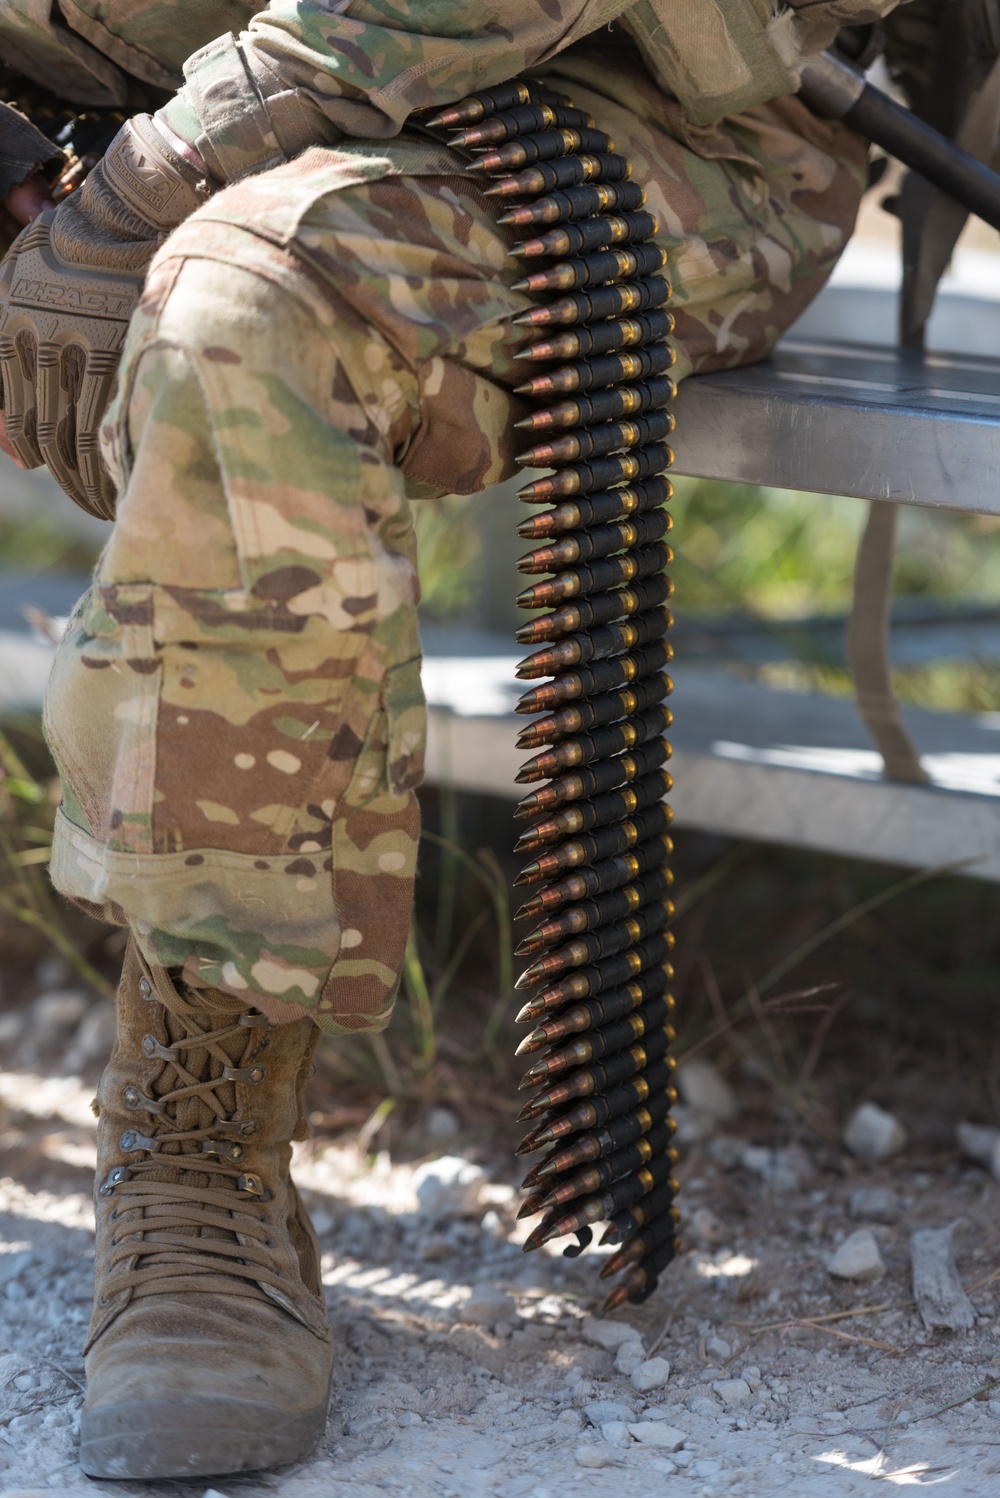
(188, 1211)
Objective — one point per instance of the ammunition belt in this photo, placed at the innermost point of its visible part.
(600, 384)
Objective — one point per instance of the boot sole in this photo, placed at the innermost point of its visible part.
(153, 1438)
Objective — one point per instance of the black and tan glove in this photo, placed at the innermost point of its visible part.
(68, 286)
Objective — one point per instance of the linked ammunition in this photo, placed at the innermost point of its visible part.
(590, 234)
(622, 1227)
(599, 541)
(614, 1136)
(598, 608)
(597, 1044)
(584, 816)
(585, 748)
(602, 676)
(605, 909)
(593, 374)
(565, 171)
(641, 1281)
(499, 128)
(608, 973)
(599, 1077)
(543, 146)
(596, 712)
(596, 1111)
(596, 644)
(595, 779)
(589, 442)
(602, 337)
(608, 874)
(602, 405)
(593, 946)
(599, 473)
(599, 269)
(576, 203)
(599, 509)
(610, 1005)
(596, 1208)
(598, 576)
(640, 1244)
(604, 1173)
(599, 833)
(492, 100)
(603, 301)
(604, 842)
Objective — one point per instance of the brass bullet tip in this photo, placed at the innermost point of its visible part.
(617, 1298)
(530, 1207)
(528, 1044)
(529, 1013)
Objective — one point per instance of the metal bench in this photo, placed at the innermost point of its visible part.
(871, 422)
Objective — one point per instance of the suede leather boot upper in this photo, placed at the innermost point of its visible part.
(209, 1348)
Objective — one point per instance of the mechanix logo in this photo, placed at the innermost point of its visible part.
(145, 177)
(64, 296)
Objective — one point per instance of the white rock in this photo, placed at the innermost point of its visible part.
(875, 1204)
(683, 1458)
(707, 1467)
(654, 1412)
(629, 1356)
(615, 1432)
(588, 1455)
(608, 1334)
(873, 1134)
(448, 1187)
(700, 1404)
(487, 1304)
(652, 1374)
(409, 1417)
(981, 1143)
(600, 1411)
(704, 1089)
(751, 1376)
(213, 1493)
(655, 1433)
(857, 1258)
(732, 1391)
(718, 1347)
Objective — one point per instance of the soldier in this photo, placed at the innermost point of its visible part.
(316, 311)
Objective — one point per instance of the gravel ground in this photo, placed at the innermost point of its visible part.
(467, 1368)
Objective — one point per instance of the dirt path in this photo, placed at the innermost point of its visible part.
(467, 1368)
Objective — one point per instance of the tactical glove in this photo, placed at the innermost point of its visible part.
(68, 286)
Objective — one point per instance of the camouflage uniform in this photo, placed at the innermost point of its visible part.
(236, 710)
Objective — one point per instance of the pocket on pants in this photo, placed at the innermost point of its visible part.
(374, 859)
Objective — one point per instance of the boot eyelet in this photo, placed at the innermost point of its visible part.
(132, 1097)
(145, 988)
(249, 1127)
(102, 1301)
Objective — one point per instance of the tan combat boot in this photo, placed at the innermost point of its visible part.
(209, 1350)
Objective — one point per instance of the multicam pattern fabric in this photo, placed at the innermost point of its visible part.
(236, 709)
(306, 71)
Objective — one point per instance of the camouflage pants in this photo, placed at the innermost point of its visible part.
(236, 710)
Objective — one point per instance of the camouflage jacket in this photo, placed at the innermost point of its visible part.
(254, 86)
